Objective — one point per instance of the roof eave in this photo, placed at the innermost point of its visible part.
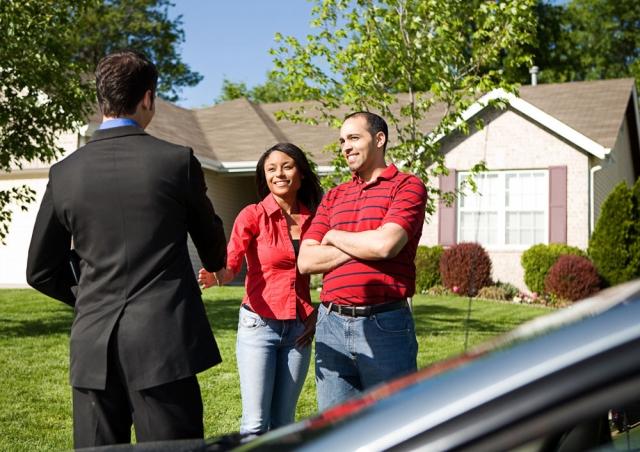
(233, 167)
(531, 111)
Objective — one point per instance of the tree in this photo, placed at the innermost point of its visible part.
(42, 90)
(588, 40)
(273, 90)
(108, 25)
(49, 49)
(401, 58)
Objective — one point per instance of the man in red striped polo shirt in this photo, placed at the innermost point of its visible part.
(364, 239)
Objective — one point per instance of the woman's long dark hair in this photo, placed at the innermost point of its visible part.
(310, 192)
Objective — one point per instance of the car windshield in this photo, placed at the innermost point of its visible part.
(599, 303)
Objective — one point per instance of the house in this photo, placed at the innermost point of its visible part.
(552, 156)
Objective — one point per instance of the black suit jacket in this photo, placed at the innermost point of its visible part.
(128, 200)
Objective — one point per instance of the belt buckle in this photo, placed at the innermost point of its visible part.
(347, 310)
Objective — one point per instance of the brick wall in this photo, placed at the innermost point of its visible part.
(510, 141)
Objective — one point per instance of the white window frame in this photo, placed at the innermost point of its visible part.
(502, 210)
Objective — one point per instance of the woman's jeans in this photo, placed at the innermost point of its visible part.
(272, 371)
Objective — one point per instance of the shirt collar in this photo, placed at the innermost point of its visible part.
(118, 122)
(387, 174)
(271, 206)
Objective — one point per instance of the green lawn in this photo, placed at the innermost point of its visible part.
(35, 399)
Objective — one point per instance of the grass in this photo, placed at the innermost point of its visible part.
(35, 398)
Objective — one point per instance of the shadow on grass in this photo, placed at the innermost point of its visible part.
(438, 319)
(223, 313)
(10, 328)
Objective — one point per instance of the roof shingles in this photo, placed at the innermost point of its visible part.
(239, 131)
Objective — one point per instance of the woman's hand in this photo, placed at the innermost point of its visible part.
(309, 330)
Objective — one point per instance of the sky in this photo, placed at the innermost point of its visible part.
(232, 38)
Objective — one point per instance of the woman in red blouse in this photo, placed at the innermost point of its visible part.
(277, 320)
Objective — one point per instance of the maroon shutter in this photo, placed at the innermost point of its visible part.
(447, 214)
(557, 204)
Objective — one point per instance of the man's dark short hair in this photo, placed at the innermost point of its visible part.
(122, 78)
(375, 124)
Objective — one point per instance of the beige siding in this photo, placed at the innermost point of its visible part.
(510, 141)
(13, 255)
(229, 195)
(618, 168)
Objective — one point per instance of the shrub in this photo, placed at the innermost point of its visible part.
(572, 278)
(465, 267)
(428, 267)
(493, 293)
(315, 282)
(438, 290)
(613, 245)
(509, 289)
(538, 259)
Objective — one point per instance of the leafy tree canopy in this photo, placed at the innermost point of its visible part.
(273, 90)
(41, 88)
(587, 40)
(48, 53)
(401, 58)
(145, 25)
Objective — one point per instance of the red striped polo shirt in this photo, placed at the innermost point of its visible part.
(356, 206)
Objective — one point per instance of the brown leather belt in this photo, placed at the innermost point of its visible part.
(365, 311)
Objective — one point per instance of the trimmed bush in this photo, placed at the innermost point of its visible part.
(613, 245)
(428, 267)
(572, 278)
(465, 268)
(538, 259)
(493, 293)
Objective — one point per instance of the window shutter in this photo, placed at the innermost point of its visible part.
(447, 214)
(557, 204)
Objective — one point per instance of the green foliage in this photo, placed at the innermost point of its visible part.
(35, 401)
(273, 90)
(428, 267)
(572, 278)
(42, 91)
(614, 246)
(315, 282)
(401, 58)
(509, 289)
(538, 259)
(145, 25)
(465, 268)
(587, 40)
(48, 50)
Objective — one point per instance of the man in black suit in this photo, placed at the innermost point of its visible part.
(126, 201)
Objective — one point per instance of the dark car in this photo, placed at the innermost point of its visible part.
(566, 381)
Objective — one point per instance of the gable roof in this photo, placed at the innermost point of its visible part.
(595, 109)
(231, 136)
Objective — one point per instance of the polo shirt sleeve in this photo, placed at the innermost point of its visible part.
(407, 207)
(245, 228)
(320, 224)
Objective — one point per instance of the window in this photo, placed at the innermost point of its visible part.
(509, 210)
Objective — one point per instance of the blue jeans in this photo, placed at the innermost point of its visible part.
(356, 353)
(272, 371)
